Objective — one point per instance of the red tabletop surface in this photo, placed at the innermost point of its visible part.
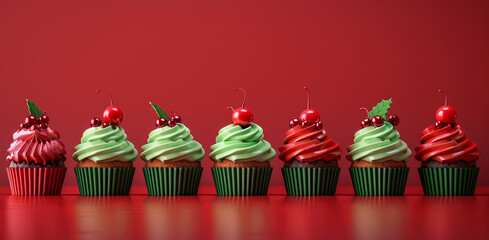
(275, 216)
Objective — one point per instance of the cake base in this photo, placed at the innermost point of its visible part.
(386, 164)
(293, 163)
(457, 164)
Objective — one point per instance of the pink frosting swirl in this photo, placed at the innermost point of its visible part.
(36, 146)
(447, 144)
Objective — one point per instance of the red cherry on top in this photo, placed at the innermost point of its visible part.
(242, 116)
(95, 122)
(394, 120)
(309, 115)
(112, 114)
(294, 122)
(161, 122)
(377, 121)
(446, 114)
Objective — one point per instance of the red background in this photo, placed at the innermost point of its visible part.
(187, 56)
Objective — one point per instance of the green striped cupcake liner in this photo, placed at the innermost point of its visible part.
(448, 181)
(311, 181)
(379, 181)
(172, 181)
(249, 181)
(104, 181)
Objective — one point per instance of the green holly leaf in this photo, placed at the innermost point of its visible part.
(380, 109)
(33, 109)
(160, 112)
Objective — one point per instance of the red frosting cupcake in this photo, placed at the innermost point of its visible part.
(310, 156)
(448, 158)
(36, 157)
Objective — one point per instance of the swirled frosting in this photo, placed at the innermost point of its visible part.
(378, 144)
(239, 144)
(103, 145)
(447, 144)
(171, 144)
(40, 147)
(308, 144)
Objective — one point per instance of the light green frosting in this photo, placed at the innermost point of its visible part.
(239, 144)
(378, 144)
(171, 144)
(103, 145)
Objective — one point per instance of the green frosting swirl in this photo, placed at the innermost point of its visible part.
(171, 144)
(378, 144)
(105, 145)
(239, 144)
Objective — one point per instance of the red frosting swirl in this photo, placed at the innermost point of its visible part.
(447, 144)
(36, 146)
(308, 144)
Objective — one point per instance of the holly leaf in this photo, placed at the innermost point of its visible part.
(160, 112)
(33, 109)
(380, 109)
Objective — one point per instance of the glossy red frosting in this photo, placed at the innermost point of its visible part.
(308, 144)
(447, 144)
(36, 146)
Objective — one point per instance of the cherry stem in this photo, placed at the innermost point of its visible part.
(308, 98)
(244, 99)
(229, 107)
(445, 94)
(110, 97)
(366, 110)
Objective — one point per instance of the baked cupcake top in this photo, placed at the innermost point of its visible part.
(105, 144)
(171, 141)
(445, 141)
(239, 144)
(306, 140)
(241, 141)
(35, 141)
(378, 140)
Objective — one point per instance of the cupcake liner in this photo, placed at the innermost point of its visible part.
(172, 181)
(104, 181)
(379, 181)
(311, 181)
(242, 181)
(448, 181)
(36, 181)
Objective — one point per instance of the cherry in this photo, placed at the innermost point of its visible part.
(377, 121)
(95, 122)
(446, 114)
(365, 122)
(23, 125)
(319, 125)
(304, 123)
(294, 122)
(394, 120)
(309, 115)
(30, 120)
(43, 119)
(42, 126)
(161, 122)
(242, 116)
(172, 123)
(112, 114)
(177, 119)
(440, 125)
(105, 124)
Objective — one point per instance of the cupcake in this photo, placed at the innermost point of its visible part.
(105, 157)
(378, 156)
(310, 156)
(173, 158)
(448, 158)
(241, 157)
(36, 157)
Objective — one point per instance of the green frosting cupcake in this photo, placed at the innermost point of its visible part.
(171, 144)
(103, 145)
(239, 144)
(378, 144)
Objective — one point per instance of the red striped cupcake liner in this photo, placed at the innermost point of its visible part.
(36, 181)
